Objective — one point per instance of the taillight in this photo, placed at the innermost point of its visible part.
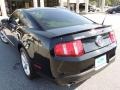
(112, 37)
(73, 48)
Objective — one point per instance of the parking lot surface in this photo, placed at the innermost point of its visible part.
(13, 78)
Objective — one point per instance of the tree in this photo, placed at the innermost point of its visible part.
(108, 2)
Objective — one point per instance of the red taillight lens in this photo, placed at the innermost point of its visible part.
(74, 48)
(112, 37)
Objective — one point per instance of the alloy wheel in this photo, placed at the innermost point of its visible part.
(25, 64)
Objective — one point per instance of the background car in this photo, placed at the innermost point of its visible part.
(113, 10)
(59, 44)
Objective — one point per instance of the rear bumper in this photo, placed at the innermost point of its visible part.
(74, 79)
(70, 70)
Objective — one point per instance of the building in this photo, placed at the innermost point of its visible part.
(8, 6)
(11, 5)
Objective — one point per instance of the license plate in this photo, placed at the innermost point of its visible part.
(100, 62)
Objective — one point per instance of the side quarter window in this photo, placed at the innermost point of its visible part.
(24, 21)
(13, 18)
(118, 8)
(18, 18)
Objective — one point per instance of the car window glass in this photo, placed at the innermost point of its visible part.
(51, 19)
(24, 21)
(14, 18)
(118, 8)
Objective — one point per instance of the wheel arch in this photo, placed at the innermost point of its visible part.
(19, 46)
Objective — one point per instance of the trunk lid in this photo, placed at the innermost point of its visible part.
(88, 34)
(73, 29)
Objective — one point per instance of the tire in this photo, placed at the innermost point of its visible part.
(3, 37)
(26, 64)
(113, 12)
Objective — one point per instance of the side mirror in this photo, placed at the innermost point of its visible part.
(13, 26)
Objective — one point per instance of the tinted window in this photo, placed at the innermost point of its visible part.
(25, 22)
(57, 18)
(118, 7)
(14, 17)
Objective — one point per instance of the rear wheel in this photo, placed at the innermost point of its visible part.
(114, 12)
(26, 64)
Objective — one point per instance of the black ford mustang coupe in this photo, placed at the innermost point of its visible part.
(59, 44)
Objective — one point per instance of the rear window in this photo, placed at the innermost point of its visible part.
(57, 18)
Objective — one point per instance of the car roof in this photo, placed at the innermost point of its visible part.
(39, 8)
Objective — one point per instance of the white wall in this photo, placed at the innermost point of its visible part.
(35, 3)
(74, 1)
(3, 8)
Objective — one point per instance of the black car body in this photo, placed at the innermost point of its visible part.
(114, 10)
(59, 44)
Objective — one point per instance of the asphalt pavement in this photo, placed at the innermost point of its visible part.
(13, 78)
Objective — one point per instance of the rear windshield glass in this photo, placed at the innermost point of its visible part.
(57, 18)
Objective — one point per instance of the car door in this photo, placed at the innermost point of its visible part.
(25, 36)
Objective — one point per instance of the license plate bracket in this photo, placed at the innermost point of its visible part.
(100, 62)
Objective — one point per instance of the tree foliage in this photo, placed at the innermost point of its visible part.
(108, 2)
